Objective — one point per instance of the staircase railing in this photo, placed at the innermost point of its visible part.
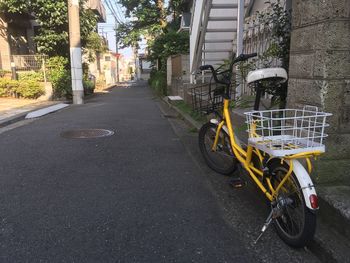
(199, 24)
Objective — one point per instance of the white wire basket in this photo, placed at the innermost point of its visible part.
(287, 131)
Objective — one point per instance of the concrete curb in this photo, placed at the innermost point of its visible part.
(330, 214)
(187, 118)
(44, 111)
(21, 116)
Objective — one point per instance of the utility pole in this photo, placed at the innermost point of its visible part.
(75, 52)
(117, 50)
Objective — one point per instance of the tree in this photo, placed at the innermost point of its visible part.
(52, 16)
(176, 8)
(15, 6)
(148, 19)
(167, 44)
(147, 12)
(128, 36)
(94, 44)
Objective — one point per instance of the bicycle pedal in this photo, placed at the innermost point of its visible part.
(237, 182)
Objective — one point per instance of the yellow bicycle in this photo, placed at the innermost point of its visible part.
(278, 142)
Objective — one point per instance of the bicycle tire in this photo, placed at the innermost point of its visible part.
(297, 224)
(222, 160)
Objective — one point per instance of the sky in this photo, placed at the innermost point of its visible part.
(107, 29)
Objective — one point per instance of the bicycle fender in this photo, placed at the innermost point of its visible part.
(216, 122)
(305, 181)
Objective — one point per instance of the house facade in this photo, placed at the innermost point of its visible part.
(16, 37)
(17, 32)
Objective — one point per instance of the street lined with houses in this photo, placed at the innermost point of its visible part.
(139, 195)
(174, 131)
(130, 197)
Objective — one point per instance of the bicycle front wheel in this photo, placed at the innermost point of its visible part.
(222, 159)
(296, 224)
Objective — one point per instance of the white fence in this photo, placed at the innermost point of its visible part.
(257, 38)
(29, 62)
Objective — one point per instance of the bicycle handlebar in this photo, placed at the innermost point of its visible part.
(240, 58)
(243, 57)
(205, 67)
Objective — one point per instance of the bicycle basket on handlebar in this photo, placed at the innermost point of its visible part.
(207, 98)
(287, 131)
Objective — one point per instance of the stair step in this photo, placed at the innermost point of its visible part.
(213, 59)
(222, 18)
(216, 50)
(221, 30)
(224, 6)
(218, 40)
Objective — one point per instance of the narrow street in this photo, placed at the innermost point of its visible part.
(141, 195)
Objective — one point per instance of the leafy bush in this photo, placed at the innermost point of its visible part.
(30, 89)
(31, 76)
(3, 72)
(59, 75)
(25, 89)
(94, 44)
(158, 83)
(167, 44)
(89, 87)
(8, 87)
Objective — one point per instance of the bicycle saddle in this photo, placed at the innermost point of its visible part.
(275, 74)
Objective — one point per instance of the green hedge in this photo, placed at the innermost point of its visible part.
(4, 72)
(158, 83)
(89, 87)
(59, 76)
(21, 89)
(31, 76)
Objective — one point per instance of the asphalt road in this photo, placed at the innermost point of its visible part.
(141, 195)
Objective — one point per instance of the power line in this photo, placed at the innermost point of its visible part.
(110, 7)
(120, 12)
(116, 14)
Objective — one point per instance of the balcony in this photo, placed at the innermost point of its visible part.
(185, 22)
(97, 7)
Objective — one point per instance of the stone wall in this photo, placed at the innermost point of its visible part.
(319, 75)
(178, 75)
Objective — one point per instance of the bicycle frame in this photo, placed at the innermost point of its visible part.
(245, 158)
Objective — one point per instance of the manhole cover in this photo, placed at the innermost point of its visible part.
(86, 133)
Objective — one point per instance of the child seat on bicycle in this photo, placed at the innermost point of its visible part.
(277, 74)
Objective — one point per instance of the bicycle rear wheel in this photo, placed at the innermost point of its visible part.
(222, 160)
(296, 224)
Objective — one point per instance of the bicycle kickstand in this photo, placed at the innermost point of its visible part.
(265, 226)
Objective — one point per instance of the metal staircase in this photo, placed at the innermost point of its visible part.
(213, 31)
